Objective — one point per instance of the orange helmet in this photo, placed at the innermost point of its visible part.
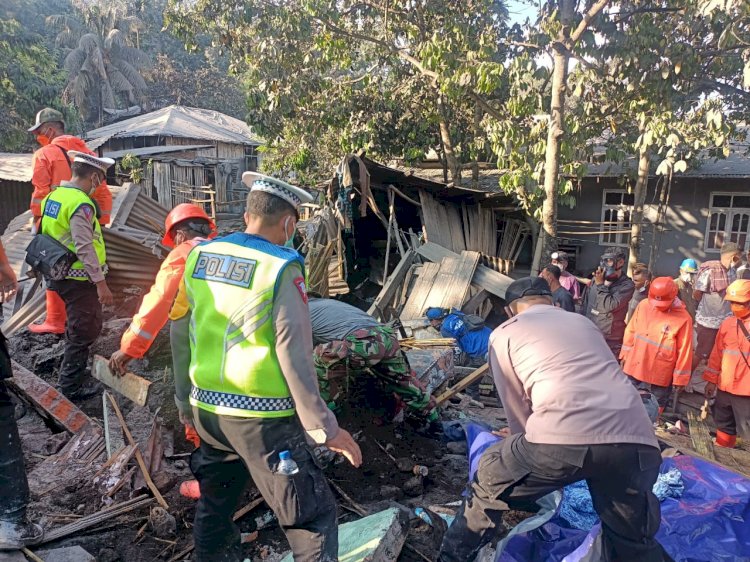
(662, 292)
(738, 291)
(181, 213)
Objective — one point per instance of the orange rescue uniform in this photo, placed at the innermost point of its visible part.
(726, 367)
(658, 345)
(50, 168)
(159, 304)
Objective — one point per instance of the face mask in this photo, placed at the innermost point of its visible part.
(562, 266)
(686, 277)
(43, 140)
(289, 241)
(642, 289)
(610, 271)
(740, 310)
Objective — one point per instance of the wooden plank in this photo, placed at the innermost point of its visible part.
(484, 277)
(460, 281)
(415, 305)
(472, 305)
(392, 285)
(131, 386)
(138, 454)
(464, 383)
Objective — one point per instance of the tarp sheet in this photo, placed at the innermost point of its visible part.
(710, 522)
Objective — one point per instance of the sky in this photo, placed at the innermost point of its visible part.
(520, 10)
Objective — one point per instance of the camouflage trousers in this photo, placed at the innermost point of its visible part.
(374, 351)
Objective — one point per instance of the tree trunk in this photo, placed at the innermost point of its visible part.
(636, 218)
(477, 133)
(454, 168)
(555, 132)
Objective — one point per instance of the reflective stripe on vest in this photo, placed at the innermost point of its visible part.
(58, 207)
(231, 289)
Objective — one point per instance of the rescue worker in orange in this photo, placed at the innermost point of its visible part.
(657, 350)
(728, 370)
(186, 226)
(51, 166)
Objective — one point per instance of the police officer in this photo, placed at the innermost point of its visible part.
(572, 416)
(69, 216)
(254, 389)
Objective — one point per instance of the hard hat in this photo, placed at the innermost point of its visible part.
(181, 213)
(738, 291)
(662, 292)
(689, 266)
(436, 313)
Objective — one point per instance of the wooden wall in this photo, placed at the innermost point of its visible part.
(15, 197)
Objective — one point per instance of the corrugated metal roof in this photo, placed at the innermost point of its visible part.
(15, 167)
(180, 121)
(489, 178)
(151, 150)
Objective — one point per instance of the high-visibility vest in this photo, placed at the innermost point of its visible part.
(231, 286)
(728, 364)
(58, 207)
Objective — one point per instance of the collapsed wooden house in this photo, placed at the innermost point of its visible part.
(377, 224)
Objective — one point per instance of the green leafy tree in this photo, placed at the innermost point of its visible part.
(378, 75)
(103, 62)
(29, 76)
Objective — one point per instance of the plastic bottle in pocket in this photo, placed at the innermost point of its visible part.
(287, 465)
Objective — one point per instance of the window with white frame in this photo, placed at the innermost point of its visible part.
(617, 209)
(728, 221)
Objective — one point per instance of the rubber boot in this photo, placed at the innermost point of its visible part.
(725, 440)
(56, 317)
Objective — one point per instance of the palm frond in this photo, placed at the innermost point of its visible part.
(108, 95)
(131, 74)
(134, 57)
(74, 62)
(89, 43)
(115, 40)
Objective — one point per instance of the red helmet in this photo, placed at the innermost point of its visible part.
(662, 292)
(181, 213)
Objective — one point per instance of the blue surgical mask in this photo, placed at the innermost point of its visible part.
(289, 241)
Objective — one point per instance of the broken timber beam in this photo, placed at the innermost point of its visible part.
(392, 285)
(131, 386)
(486, 278)
(462, 384)
(49, 402)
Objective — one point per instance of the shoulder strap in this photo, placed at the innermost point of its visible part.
(741, 324)
(65, 153)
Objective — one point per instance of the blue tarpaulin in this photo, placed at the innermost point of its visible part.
(710, 522)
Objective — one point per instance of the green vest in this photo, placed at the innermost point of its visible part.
(231, 286)
(58, 207)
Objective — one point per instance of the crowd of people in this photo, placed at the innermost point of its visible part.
(261, 367)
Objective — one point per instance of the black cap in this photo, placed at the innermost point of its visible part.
(527, 287)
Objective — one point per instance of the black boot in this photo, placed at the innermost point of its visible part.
(16, 535)
(83, 391)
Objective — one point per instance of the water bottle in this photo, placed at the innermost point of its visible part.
(287, 465)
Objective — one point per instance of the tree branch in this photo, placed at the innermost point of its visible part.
(587, 18)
